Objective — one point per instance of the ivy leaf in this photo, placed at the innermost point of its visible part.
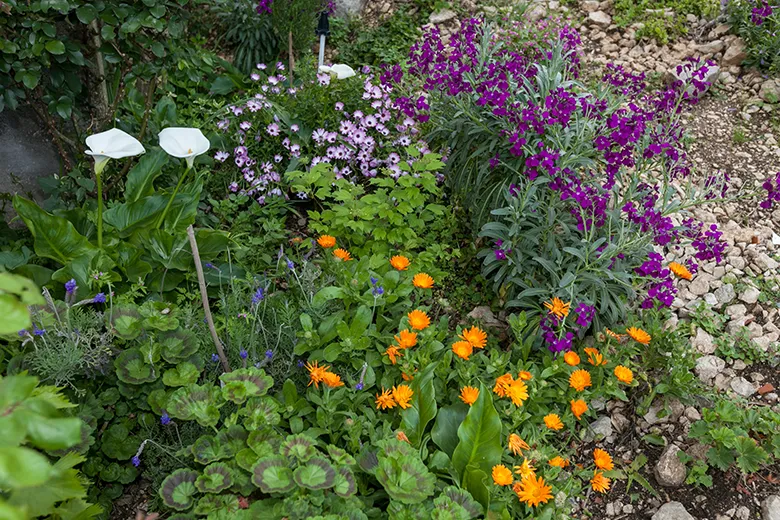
(55, 47)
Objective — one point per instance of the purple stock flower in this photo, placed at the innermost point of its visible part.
(772, 187)
(263, 6)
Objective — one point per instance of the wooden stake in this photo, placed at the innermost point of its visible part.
(205, 299)
(290, 52)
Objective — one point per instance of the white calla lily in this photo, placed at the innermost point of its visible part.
(112, 144)
(340, 70)
(184, 143)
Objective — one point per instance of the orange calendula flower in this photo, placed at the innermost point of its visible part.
(326, 241)
(639, 335)
(462, 349)
(525, 470)
(406, 339)
(579, 380)
(400, 263)
(595, 357)
(418, 320)
(525, 375)
(401, 436)
(475, 336)
(384, 400)
(332, 380)
(406, 377)
(578, 408)
(571, 358)
(624, 374)
(402, 395)
(614, 335)
(394, 354)
(558, 307)
(502, 385)
(342, 254)
(469, 394)
(602, 459)
(553, 422)
(558, 462)
(533, 491)
(502, 476)
(680, 270)
(599, 482)
(517, 392)
(316, 373)
(422, 281)
(517, 445)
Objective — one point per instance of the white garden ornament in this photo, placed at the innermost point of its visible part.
(341, 70)
(184, 143)
(112, 144)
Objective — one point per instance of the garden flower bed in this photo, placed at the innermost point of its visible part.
(487, 282)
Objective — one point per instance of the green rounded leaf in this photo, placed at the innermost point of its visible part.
(212, 503)
(317, 473)
(178, 489)
(345, 485)
(183, 374)
(55, 47)
(241, 384)
(215, 478)
(260, 412)
(195, 402)
(178, 346)
(273, 475)
(131, 368)
(300, 447)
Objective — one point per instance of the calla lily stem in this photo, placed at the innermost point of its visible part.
(173, 196)
(100, 210)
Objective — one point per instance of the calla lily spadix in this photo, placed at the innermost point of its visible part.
(184, 143)
(111, 144)
(341, 70)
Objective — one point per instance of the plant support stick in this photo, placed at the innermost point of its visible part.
(205, 299)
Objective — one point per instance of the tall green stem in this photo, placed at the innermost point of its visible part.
(100, 210)
(173, 196)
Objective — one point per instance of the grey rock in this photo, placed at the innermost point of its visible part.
(711, 300)
(725, 294)
(441, 16)
(742, 513)
(590, 6)
(703, 342)
(720, 30)
(600, 18)
(735, 53)
(26, 154)
(535, 12)
(600, 429)
(349, 7)
(770, 508)
(769, 91)
(485, 315)
(672, 511)
(737, 310)
(692, 414)
(669, 471)
(699, 286)
(707, 367)
(743, 387)
(711, 47)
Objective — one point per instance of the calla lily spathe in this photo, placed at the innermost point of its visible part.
(112, 144)
(341, 70)
(184, 143)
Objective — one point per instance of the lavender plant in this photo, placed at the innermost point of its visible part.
(758, 23)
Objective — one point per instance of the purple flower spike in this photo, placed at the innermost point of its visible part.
(136, 460)
(70, 286)
(99, 298)
(243, 354)
(269, 354)
(165, 419)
